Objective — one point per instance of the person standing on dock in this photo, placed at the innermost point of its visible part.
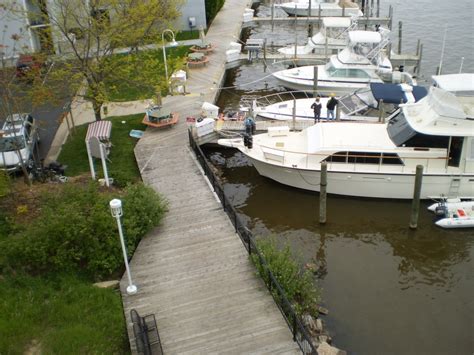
(250, 125)
(331, 106)
(316, 106)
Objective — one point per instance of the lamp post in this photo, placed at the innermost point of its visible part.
(116, 211)
(173, 43)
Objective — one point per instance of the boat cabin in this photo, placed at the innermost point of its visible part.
(461, 84)
(334, 27)
(441, 120)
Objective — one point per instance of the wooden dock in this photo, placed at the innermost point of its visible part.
(193, 272)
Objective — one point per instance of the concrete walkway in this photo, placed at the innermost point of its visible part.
(193, 272)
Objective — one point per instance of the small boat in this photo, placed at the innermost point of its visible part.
(362, 62)
(363, 104)
(327, 8)
(332, 35)
(454, 213)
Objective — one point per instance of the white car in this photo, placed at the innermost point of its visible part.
(18, 138)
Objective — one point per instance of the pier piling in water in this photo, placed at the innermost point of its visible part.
(415, 207)
(323, 193)
(400, 24)
(381, 118)
(294, 114)
(273, 14)
(315, 81)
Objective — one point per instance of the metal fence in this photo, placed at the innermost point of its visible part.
(300, 334)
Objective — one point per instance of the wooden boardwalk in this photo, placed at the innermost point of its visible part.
(193, 272)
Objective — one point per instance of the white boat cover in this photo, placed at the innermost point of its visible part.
(364, 37)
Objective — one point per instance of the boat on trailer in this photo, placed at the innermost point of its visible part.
(376, 160)
(454, 213)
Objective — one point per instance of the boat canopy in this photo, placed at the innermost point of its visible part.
(364, 37)
(395, 93)
(462, 83)
(336, 22)
(441, 113)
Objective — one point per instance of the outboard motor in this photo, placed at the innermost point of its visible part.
(441, 210)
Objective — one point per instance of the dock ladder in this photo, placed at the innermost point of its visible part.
(454, 186)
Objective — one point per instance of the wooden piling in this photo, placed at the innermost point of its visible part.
(296, 36)
(367, 10)
(326, 48)
(273, 14)
(378, 8)
(309, 9)
(415, 207)
(343, 9)
(315, 81)
(319, 16)
(381, 118)
(294, 114)
(338, 113)
(400, 37)
(419, 59)
(310, 30)
(264, 55)
(390, 16)
(323, 192)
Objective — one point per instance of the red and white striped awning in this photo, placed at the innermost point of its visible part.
(99, 129)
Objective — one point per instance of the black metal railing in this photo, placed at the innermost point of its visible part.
(146, 334)
(300, 334)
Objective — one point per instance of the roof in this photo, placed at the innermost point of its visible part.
(99, 129)
(397, 93)
(364, 37)
(336, 22)
(455, 82)
(442, 113)
(345, 136)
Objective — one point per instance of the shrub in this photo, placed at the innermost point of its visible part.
(64, 315)
(75, 232)
(212, 8)
(298, 285)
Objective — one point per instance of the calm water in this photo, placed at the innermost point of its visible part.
(389, 290)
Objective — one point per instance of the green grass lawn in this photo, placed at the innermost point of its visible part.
(63, 315)
(142, 73)
(122, 166)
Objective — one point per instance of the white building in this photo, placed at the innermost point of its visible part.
(23, 32)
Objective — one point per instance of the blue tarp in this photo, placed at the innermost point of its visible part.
(393, 93)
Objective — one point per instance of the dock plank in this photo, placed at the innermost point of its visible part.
(193, 271)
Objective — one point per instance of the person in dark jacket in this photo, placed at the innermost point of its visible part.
(331, 106)
(316, 106)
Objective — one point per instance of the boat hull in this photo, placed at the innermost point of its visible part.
(455, 223)
(359, 184)
(327, 10)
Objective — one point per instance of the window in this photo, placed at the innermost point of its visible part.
(364, 158)
(391, 159)
(357, 73)
(339, 157)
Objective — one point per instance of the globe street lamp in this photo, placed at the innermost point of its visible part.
(116, 211)
(173, 43)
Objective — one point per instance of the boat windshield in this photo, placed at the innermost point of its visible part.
(402, 134)
(9, 144)
(347, 73)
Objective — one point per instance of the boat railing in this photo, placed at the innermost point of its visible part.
(299, 331)
(260, 101)
(398, 161)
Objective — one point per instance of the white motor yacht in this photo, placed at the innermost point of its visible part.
(332, 38)
(362, 62)
(376, 160)
(321, 7)
(363, 104)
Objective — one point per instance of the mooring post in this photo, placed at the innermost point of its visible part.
(371, 8)
(296, 37)
(390, 17)
(400, 37)
(323, 192)
(310, 30)
(315, 81)
(273, 14)
(343, 9)
(362, 6)
(294, 114)
(378, 8)
(419, 59)
(367, 10)
(338, 112)
(381, 110)
(319, 16)
(415, 207)
(309, 10)
(326, 48)
(264, 55)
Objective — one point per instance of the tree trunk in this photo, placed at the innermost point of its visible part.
(97, 109)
